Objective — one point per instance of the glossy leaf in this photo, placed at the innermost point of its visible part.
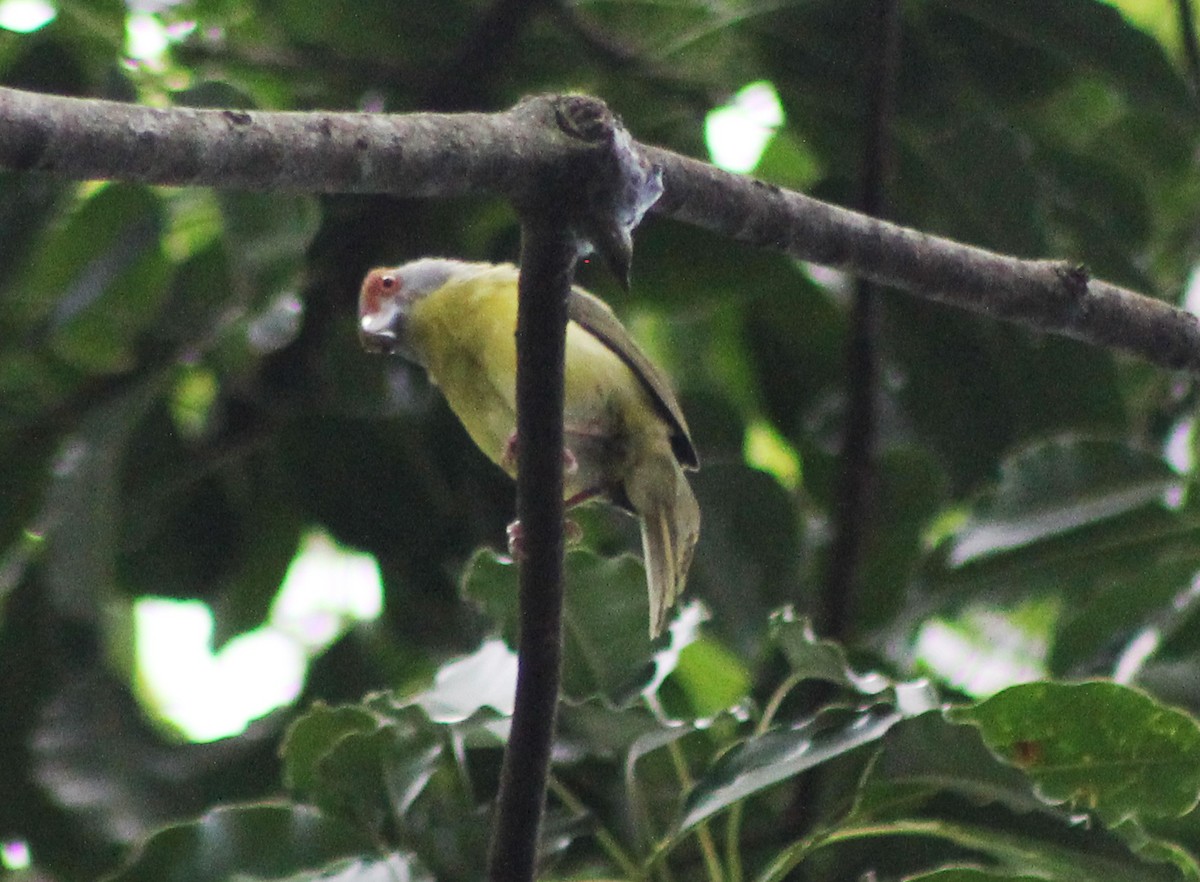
(1084, 520)
(362, 763)
(826, 660)
(708, 678)
(928, 754)
(1056, 488)
(312, 736)
(765, 760)
(96, 285)
(248, 842)
(1064, 858)
(395, 868)
(1096, 747)
(606, 650)
(970, 874)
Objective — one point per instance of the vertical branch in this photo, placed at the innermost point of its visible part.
(856, 483)
(853, 512)
(594, 200)
(548, 254)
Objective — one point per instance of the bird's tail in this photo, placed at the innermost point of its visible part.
(670, 528)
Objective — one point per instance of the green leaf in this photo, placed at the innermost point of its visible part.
(487, 678)
(763, 761)
(27, 203)
(31, 383)
(922, 757)
(813, 658)
(24, 475)
(83, 502)
(1106, 210)
(201, 295)
(1154, 848)
(267, 238)
(271, 532)
(746, 562)
(363, 762)
(970, 874)
(1052, 489)
(1090, 36)
(234, 495)
(668, 253)
(596, 728)
(412, 33)
(434, 500)
(606, 650)
(1001, 209)
(707, 678)
(1096, 747)
(794, 348)
(247, 842)
(910, 486)
(97, 282)
(788, 162)
(312, 736)
(928, 754)
(395, 868)
(1088, 521)
(1070, 856)
(386, 768)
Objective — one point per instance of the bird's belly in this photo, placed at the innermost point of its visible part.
(595, 429)
(485, 412)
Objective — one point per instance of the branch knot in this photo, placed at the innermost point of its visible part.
(604, 190)
(585, 118)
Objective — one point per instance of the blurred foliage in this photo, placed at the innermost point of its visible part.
(182, 397)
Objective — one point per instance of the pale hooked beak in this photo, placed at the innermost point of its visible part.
(376, 334)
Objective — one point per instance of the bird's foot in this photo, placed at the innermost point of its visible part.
(572, 534)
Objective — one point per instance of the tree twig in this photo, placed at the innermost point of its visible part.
(548, 254)
(853, 504)
(1050, 296)
(593, 199)
(444, 155)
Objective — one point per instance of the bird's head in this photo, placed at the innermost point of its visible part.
(386, 300)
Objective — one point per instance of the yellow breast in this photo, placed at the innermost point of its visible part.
(466, 333)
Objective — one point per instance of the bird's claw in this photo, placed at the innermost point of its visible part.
(572, 535)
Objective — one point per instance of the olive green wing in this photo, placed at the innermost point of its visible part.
(594, 315)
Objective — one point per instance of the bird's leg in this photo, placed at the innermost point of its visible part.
(508, 458)
(581, 496)
(572, 534)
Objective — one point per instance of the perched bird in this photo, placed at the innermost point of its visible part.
(625, 436)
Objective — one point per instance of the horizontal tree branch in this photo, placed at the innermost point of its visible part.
(1051, 296)
(511, 153)
(417, 154)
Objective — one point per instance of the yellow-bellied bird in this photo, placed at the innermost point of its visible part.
(626, 438)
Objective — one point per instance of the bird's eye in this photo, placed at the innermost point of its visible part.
(388, 282)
